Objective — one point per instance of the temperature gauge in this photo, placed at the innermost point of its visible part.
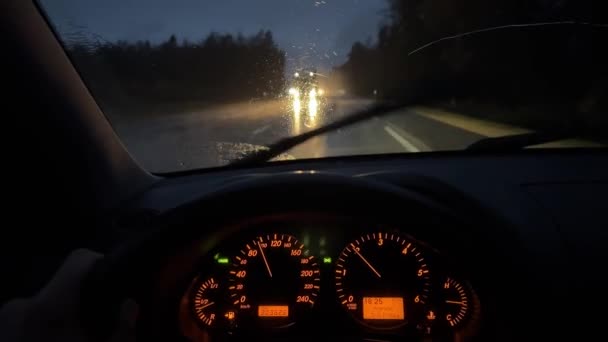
(457, 302)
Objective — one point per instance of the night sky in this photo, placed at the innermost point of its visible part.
(312, 33)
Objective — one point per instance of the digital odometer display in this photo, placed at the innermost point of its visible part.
(273, 311)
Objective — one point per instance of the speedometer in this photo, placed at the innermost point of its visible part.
(273, 281)
(383, 280)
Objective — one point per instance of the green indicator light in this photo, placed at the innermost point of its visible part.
(327, 260)
(222, 260)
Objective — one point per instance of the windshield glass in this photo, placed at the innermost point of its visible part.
(192, 84)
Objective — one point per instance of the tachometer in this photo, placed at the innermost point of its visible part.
(382, 279)
(273, 281)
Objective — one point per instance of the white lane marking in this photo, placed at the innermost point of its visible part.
(260, 130)
(401, 140)
(419, 144)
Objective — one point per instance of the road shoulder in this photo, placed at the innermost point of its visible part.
(474, 125)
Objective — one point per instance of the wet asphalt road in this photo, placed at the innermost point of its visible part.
(209, 137)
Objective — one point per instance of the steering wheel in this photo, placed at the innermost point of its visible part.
(123, 273)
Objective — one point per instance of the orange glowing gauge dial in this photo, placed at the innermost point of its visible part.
(383, 280)
(273, 281)
(457, 302)
(206, 302)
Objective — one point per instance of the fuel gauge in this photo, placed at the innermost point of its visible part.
(206, 301)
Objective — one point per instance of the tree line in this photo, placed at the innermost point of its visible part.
(220, 67)
(511, 66)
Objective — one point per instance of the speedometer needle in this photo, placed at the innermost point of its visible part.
(265, 261)
(366, 262)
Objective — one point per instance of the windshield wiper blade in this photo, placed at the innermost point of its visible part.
(285, 144)
(516, 142)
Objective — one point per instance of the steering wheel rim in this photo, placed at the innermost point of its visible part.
(117, 276)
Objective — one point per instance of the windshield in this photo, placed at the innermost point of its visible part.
(192, 84)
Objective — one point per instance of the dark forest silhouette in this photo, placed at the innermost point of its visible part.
(539, 53)
(221, 67)
(560, 64)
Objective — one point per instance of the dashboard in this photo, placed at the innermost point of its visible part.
(312, 256)
(310, 275)
(299, 261)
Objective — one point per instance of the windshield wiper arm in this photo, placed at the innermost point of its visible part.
(516, 142)
(285, 144)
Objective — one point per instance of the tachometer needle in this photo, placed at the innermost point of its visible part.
(366, 262)
(265, 261)
(454, 302)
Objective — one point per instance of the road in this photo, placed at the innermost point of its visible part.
(205, 138)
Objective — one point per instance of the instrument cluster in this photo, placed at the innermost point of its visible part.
(321, 280)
